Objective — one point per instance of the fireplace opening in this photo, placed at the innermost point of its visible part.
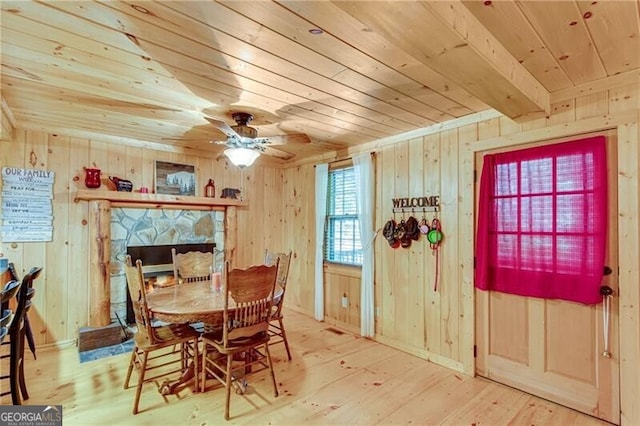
(157, 266)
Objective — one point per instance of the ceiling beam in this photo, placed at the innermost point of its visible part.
(447, 38)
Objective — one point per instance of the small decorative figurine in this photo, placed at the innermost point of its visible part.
(230, 193)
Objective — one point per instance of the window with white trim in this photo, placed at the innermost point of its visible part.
(342, 231)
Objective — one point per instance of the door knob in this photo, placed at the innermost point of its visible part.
(605, 290)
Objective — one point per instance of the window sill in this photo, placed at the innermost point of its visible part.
(342, 269)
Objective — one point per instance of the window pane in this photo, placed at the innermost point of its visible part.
(575, 172)
(506, 179)
(342, 235)
(566, 209)
(537, 176)
(507, 245)
(506, 214)
(537, 214)
(536, 253)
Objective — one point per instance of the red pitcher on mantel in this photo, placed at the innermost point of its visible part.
(92, 177)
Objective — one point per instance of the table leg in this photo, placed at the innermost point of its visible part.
(188, 378)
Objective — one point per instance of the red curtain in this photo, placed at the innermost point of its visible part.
(542, 221)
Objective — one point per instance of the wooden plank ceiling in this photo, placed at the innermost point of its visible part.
(343, 73)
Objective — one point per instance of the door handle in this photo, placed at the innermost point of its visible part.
(607, 293)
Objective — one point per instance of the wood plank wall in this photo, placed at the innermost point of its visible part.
(438, 325)
(61, 305)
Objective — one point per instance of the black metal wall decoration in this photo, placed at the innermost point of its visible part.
(416, 204)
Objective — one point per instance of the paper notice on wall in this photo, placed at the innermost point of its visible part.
(27, 209)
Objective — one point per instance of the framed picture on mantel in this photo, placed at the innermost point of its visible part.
(175, 179)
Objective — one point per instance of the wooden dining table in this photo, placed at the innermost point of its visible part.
(194, 302)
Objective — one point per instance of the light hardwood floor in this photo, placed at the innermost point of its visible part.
(334, 378)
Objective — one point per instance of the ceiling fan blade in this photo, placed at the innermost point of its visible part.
(203, 139)
(277, 153)
(223, 127)
(285, 139)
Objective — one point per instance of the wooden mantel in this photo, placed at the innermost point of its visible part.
(159, 201)
(100, 204)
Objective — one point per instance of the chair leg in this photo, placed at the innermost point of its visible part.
(204, 366)
(23, 384)
(228, 385)
(203, 379)
(196, 365)
(130, 370)
(284, 338)
(143, 369)
(273, 374)
(20, 378)
(14, 368)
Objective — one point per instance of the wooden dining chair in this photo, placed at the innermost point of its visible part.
(28, 332)
(161, 351)
(193, 265)
(230, 354)
(17, 335)
(276, 326)
(9, 291)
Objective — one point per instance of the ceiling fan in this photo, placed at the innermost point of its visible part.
(243, 136)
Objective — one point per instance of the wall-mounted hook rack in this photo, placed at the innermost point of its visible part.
(414, 209)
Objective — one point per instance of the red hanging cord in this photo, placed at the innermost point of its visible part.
(435, 236)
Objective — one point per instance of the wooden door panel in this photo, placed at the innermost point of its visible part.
(554, 348)
(577, 335)
(508, 315)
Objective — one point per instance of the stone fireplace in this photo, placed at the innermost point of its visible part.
(159, 229)
(142, 219)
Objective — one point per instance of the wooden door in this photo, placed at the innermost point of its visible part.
(554, 348)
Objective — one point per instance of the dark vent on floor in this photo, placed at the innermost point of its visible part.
(334, 330)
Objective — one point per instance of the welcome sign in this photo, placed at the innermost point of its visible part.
(430, 203)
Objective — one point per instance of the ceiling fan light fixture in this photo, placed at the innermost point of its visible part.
(242, 157)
